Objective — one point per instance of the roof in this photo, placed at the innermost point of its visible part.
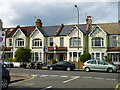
(26, 30)
(49, 30)
(110, 28)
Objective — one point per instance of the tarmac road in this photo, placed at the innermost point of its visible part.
(59, 80)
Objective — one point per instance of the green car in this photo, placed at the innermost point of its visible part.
(98, 65)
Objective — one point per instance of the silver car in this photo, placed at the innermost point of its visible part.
(98, 65)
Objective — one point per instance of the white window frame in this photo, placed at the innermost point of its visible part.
(10, 42)
(73, 42)
(101, 41)
(37, 42)
(50, 41)
(61, 41)
(19, 42)
(114, 41)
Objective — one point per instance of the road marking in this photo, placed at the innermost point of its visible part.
(54, 75)
(47, 88)
(63, 76)
(86, 77)
(24, 80)
(29, 84)
(71, 79)
(98, 78)
(116, 88)
(111, 79)
(34, 75)
(74, 76)
(44, 75)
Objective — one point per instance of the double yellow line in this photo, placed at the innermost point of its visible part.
(25, 79)
(116, 88)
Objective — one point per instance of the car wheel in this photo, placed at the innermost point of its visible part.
(68, 68)
(5, 65)
(87, 69)
(110, 70)
(4, 83)
(51, 68)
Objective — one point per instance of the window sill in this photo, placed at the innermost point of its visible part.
(36, 47)
(19, 46)
(98, 47)
(75, 46)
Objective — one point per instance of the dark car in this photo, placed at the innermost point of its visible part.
(5, 77)
(62, 65)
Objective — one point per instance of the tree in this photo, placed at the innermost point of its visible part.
(23, 54)
(84, 57)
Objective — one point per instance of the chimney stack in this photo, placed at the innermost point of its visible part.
(1, 24)
(89, 20)
(38, 23)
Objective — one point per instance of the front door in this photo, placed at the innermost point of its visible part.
(61, 57)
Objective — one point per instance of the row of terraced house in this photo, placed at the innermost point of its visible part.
(61, 42)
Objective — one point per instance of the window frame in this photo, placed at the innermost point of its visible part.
(50, 42)
(19, 42)
(73, 42)
(37, 42)
(61, 41)
(97, 42)
(10, 42)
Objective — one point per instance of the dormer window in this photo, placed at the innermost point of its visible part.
(19, 42)
(36, 42)
(98, 41)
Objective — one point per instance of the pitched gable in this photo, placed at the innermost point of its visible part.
(97, 31)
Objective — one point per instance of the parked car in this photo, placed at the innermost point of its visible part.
(98, 65)
(62, 65)
(5, 77)
(7, 64)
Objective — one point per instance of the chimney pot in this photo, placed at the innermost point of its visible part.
(38, 23)
(89, 20)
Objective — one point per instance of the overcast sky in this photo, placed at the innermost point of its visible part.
(25, 12)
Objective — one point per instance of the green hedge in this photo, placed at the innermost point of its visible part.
(84, 57)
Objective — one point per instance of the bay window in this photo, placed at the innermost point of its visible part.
(36, 42)
(19, 42)
(98, 41)
(74, 41)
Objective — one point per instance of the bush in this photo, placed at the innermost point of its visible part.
(23, 54)
(11, 60)
(53, 60)
(106, 59)
(84, 57)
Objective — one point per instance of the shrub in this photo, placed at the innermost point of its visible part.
(11, 60)
(53, 60)
(106, 59)
(23, 54)
(84, 57)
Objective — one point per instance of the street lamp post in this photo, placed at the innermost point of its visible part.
(78, 34)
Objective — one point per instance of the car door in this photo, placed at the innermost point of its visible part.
(59, 65)
(93, 65)
(102, 66)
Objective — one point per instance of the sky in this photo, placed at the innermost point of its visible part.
(55, 12)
